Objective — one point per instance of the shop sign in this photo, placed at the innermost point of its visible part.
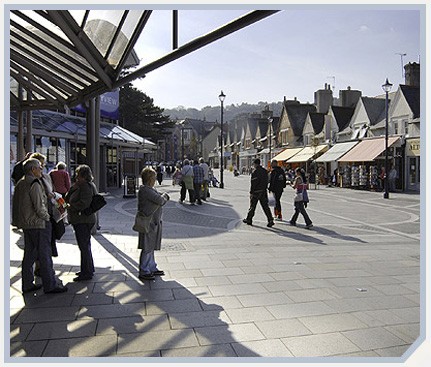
(413, 147)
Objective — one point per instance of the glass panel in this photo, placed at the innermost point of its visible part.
(61, 150)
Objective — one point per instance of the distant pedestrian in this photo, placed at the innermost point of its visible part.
(300, 186)
(187, 182)
(259, 193)
(392, 177)
(150, 201)
(60, 178)
(205, 184)
(30, 212)
(198, 180)
(277, 183)
(159, 174)
(177, 176)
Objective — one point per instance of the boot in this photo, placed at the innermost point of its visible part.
(280, 217)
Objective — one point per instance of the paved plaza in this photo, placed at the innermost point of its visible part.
(347, 287)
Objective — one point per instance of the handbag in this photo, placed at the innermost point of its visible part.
(142, 222)
(58, 228)
(299, 197)
(97, 203)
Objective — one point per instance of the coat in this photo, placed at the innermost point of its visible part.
(151, 201)
(30, 204)
(277, 180)
(79, 198)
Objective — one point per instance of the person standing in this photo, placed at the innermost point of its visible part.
(49, 191)
(30, 212)
(198, 180)
(277, 182)
(187, 182)
(159, 174)
(258, 193)
(79, 198)
(300, 186)
(392, 177)
(60, 178)
(205, 184)
(150, 201)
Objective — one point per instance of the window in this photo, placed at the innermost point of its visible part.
(396, 127)
(406, 126)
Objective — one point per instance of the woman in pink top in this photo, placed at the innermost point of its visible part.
(60, 178)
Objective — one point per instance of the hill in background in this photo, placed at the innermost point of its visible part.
(210, 113)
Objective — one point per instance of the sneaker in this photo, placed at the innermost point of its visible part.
(148, 276)
(33, 288)
(60, 289)
(309, 226)
(247, 221)
(270, 224)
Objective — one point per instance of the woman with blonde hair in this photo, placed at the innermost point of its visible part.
(150, 203)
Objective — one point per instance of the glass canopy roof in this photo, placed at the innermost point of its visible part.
(62, 58)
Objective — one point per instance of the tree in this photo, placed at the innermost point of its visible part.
(139, 114)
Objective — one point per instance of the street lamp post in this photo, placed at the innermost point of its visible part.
(270, 138)
(221, 97)
(386, 87)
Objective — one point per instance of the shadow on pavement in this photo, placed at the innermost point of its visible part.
(115, 314)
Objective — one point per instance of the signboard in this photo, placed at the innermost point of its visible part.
(129, 186)
(413, 147)
(109, 105)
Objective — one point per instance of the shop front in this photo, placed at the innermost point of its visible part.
(413, 160)
(363, 167)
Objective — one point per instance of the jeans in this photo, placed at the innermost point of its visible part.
(83, 237)
(261, 197)
(37, 245)
(147, 263)
(300, 208)
(277, 197)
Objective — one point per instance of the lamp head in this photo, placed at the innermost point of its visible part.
(222, 96)
(387, 86)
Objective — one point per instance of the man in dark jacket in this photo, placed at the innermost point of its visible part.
(258, 192)
(277, 182)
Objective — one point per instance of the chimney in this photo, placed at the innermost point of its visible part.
(412, 74)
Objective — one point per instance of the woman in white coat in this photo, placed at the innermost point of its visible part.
(150, 201)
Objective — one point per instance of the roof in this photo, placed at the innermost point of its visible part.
(317, 120)
(73, 125)
(412, 96)
(342, 116)
(307, 153)
(368, 149)
(375, 108)
(337, 151)
(297, 114)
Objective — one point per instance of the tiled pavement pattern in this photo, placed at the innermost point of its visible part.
(349, 287)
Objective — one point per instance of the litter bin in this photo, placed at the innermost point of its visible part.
(129, 187)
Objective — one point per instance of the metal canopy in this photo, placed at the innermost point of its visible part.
(61, 58)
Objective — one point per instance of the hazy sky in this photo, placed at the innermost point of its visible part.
(292, 53)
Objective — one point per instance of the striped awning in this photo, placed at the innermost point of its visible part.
(367, 150)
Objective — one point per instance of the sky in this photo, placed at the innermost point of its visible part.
(290, 54)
